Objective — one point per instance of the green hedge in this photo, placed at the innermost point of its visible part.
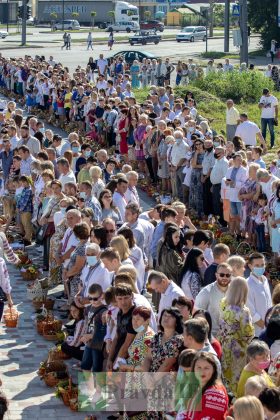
(245, 86)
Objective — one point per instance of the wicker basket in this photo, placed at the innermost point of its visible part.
(56, 354)
(50, 379)
(26, 275)
(36, 291)
(23, 257)
(50, 337)
(55, 366)
(11, 318)
(73, 404)
(48, 304)
(52, 325)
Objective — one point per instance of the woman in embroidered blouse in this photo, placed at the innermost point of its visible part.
(236, 331)
(72, 346)
(163, 351)
(208, 397)
(191, 278)
(5, 287)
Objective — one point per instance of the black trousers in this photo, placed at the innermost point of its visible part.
(217, 204)
(149, 163)
(207, 197)
(72, 351)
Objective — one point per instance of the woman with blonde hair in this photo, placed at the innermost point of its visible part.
(237, 264)
(119, 243)
(97, 183)
(236, 331)
(248, 408)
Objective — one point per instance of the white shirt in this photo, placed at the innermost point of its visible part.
(69, 240)
(148, 229)
(232, 116)
(131, 195)
(178, 152)
(208, 162)
(247, 131)
(259, 300)
(269, 102)
(209, 299)
(267, 186)
(173, 291)
(101, 65)
(101, 84)
(64, 179)
(100, 275)
(219, 170)
(14, 142)
(120, 202)
(58, 217)
(241, 177)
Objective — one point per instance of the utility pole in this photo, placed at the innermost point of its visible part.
(244, 31)
(23, 22)
(63, 15)
(226, 39)
(8, 16)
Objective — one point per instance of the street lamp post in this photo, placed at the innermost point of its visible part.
(226, 40)
(244, 31)
(8, 16)
(63, 15)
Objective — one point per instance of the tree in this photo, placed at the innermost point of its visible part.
(111, 14)
(219, 14)
(93, 16)
(130, 13)
(75, 15)
(211, 17)
(147, 14)
(263, 18)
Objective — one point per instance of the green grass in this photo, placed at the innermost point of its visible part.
(216, 55)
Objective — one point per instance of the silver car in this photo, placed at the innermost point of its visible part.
(191, 34)
(67, 25)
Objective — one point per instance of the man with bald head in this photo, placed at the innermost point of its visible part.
(232, 119)
(218, 172)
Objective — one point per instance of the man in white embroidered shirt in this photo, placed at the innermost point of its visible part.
(259, 296)
(167, 288)
(178, 160)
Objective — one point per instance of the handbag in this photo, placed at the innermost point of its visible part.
(40, 234)
(3, 296)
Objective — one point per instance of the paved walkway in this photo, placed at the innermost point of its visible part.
(21, 351)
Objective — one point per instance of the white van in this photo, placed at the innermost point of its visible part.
(131, 26)
(191, 34)
(67, 25)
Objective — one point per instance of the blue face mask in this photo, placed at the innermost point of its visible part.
(139, 329)
(216, 144)
(87, 153)
(42, 130)
(91, 259)
(75, 149)
(63, 210)
(83, 195)
(258, 271)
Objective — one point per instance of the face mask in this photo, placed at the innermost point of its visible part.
(178, 141)
(258, 271)
(191, 129)
(216, 144)
(83, 195)
(91, 259)
(42, 130)
(75, 149)
(87, 153)
(63, 210)
(139, 329)
(264, 365)
(216, 156)
(209, 149)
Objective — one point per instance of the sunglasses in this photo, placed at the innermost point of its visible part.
(95, 299)
(224, 275)
(110, 230)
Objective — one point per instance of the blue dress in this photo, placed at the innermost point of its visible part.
(134, 72)
(275, 233)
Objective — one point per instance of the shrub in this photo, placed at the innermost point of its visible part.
(245, 86)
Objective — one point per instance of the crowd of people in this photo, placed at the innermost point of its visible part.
(156, 290)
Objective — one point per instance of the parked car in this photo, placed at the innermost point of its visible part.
(67, 25)
(130, 56)
(192, 33)
(3, 34)
(157, 25)
(144, 37)
(131, 26)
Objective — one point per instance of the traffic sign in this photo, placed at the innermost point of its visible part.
(235, 10)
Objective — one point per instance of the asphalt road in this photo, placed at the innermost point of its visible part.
(79, 55)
